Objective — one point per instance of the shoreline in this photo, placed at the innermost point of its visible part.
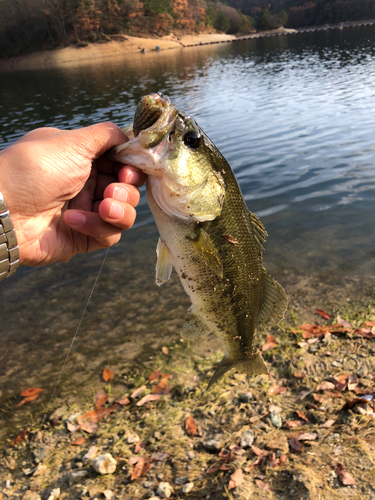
(121, 45)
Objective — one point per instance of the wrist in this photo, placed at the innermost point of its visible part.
(9, 253)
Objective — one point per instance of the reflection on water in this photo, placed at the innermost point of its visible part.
(295, 118)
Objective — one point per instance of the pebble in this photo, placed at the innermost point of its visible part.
(164, 490)
(132, 438)
(276, 419)
(92, 451)
(40, 454)
(55, 493)
(187, 487)
(104, 464)
(158, 435)
(148, 484)
(191, 455)
(213, 444)
(246, 397)
(279, 443)
(181, 480)
(76, 476)
(31, 495)
(247, 439)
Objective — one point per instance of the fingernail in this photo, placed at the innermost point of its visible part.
(120, 194)
(132, 177)
(117, 211)
(74, 218)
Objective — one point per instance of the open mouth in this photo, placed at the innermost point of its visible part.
(148, 112)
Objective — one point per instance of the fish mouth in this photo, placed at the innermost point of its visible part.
(154, 118)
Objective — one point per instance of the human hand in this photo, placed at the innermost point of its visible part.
(64, 197)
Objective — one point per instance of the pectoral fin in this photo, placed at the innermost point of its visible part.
(206, 248)
(254, 365)
(194, 326)
(163, 264)
(275, 302)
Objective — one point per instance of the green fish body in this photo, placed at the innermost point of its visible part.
(206, 233)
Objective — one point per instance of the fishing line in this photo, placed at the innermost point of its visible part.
(74, 337)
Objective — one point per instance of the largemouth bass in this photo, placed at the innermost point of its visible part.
(206, 232)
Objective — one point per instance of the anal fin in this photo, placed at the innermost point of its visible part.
(254, 365)
(194, 326)
(275, 302)
(164, 264)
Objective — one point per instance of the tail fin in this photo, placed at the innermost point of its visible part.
(254, 365)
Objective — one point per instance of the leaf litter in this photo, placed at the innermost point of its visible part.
(163, 401)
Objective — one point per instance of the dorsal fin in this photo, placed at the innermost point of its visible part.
(259, 232)
(274, 304)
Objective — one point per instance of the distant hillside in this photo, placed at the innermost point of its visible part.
(30, 25)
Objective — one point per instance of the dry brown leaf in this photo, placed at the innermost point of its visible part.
(270, 342)
(333, 394)
(318, 398)
(294, 444)
(108, 375)
(108, 494)
(158, 389)
(123, 401)
(369, 323)
(343, 322)
(263, 486)
(89, 427)
(353, 382)
(138, 392)
(101, 401)
(148, 398)
(293, 423)
(258, 452)
(20, 437)
(191, 426)
(299, 375)
(236, 479)
(140, 469)
(277, 389)
(325, 386)
(303, 394)
(329, 423)
(344, 476)
(72, 427)
(139, 446)
(154, 376)
(31, 392)
(302, 415)
(323, 313)
(165, 350)
(78, 441)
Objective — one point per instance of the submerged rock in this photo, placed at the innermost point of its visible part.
(164, 490)
(104, 464)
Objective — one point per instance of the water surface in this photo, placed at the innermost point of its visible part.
(294, 116)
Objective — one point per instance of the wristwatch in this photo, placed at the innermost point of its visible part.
(9, 253)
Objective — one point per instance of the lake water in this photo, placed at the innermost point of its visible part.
(295, 118)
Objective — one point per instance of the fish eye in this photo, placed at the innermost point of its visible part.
(192, 139)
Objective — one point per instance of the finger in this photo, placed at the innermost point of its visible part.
(97, 139)
(124, 193)
(92, 224)
(131, 175)
(121, 215)
(102, 182)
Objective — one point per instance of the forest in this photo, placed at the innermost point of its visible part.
(29, 25)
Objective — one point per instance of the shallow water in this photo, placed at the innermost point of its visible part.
(295, 118)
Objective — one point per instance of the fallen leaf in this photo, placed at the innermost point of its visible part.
(325, 386)
(343, 322)
(323, 314)
(302, 415)
(293, 423)
(165, 350)
(277, 389)
(263, 486)
(294, 444)
(20, 437)
(139, 446)
(166, 375)
(138, 392)
(333, 394)
(329, 423)
(303, 394)
(122, 401)
(352, 402)
(344, 476)
(353, 382)
(365, 332)
(108, 494)
(318, 398)
(140, 469)
(159, 387)
(148, 398)
(89, 427)
(307, 436)
(108, 375)
(159, 457)
(78, 441)
(154, 376)
(231, 239)
(191, 426)
(299, 375)
(133, 460)
(369, 323)
(258, 417)
(270, 342)
(101, 401)
(72, 427)
(236, 479)
(31, 392)
(258, 452)
(216, 467)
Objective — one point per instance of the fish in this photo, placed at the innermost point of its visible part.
(207, 234)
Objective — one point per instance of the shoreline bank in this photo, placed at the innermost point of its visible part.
(123, 46)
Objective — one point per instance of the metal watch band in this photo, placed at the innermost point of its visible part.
(9, 254)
